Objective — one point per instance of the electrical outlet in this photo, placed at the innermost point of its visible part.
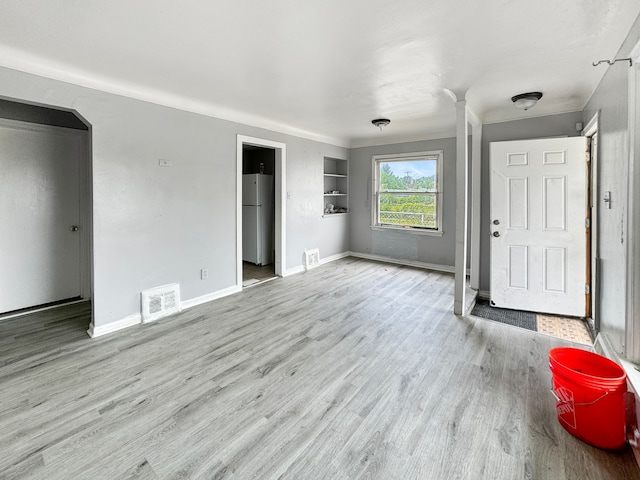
(204, 273)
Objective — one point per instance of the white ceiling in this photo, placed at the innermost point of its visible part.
(323, 69)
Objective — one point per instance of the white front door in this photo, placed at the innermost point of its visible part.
(39, 212)
(538, 244)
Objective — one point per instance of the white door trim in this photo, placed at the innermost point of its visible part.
(589, 131)
(280, 202)
(476, 204)
(632, 295)
(592, 125)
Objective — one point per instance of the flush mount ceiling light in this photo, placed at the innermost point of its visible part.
(381, 122)
(525, 101)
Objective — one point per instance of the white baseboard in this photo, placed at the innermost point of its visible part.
(408, 263)
(330, 258)
(379, 258)
(333, 258)
(136, 318)
(111, 327)
(294, 270)
(210, 297)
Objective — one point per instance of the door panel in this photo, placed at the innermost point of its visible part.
(554, 270)
(518, 266)
(518, 203)
(39, 207)
(554, 195)
(538, 253)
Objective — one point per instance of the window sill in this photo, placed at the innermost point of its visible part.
(410, 231)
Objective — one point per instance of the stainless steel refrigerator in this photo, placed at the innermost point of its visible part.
(257, 218)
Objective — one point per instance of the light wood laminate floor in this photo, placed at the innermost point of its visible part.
(353, 370)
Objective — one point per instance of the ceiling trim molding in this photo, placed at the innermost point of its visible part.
(390, 140)
(34, 65)
(505, 119)
(43, 67)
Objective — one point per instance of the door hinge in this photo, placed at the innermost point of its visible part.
(587, 222)
(587, 289)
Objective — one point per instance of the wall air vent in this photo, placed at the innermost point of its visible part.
(159, 302)
(311, 258)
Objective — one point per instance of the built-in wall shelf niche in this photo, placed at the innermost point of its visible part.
(336, 187)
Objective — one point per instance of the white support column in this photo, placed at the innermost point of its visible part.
(476, 200)
(462, 186)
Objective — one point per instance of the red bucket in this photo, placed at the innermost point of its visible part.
(589, 391)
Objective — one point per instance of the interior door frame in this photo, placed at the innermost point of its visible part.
(589, 131)
(85, 201)
(280, 202)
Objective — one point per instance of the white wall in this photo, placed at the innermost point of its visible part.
(397, 244)
(610, 98)
(156, 225)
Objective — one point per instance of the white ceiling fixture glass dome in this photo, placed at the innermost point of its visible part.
(525, 101)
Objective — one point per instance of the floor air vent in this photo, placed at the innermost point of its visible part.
(311, 258)
(160, 301)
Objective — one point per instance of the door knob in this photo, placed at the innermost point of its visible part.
(74, 228)
(496, 234)
(496, 222)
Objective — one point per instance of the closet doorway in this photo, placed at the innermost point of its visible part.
(45, 208)
(261, 173)
(258, 214)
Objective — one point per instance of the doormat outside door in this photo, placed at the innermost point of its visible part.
(516, 318)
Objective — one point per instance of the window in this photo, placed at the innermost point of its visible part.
(408, 191)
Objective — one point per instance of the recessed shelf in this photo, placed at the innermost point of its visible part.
(335, 173)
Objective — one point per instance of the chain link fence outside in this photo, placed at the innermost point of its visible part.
(425, 220)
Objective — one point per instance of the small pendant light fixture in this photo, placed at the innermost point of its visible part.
(525, 101)
(381, 122)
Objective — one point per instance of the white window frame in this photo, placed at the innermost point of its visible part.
(375, 187)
